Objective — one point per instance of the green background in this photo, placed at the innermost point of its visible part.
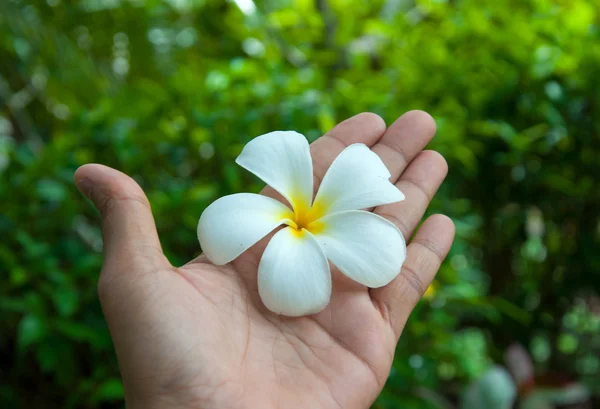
(170, 91)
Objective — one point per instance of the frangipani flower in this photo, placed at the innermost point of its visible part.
(293, 274)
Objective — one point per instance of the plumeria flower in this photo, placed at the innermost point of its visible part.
(294, 278)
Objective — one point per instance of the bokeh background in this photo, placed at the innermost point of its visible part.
(169, 92)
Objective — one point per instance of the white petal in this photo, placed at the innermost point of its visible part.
(293, 274)
(232, 224)
(357, 179)
(364, 246)
(282, 160)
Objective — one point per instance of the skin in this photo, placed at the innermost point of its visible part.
(198, 336)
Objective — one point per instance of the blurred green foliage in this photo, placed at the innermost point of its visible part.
(169, 91)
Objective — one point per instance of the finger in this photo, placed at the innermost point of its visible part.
(366, 128)
(424, 257)
(403, 141)
(128, 228)
(419, 183)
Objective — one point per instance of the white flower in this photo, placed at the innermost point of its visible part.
(293, 273)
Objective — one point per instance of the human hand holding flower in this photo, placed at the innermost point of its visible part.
(200, 336)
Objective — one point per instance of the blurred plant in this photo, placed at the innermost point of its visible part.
(494, 390)
(497, 390)
(170, 91)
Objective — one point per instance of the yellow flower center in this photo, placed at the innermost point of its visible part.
(307, 218)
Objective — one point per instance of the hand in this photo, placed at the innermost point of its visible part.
(198, 336)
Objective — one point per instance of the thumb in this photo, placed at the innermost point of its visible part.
(128, 228)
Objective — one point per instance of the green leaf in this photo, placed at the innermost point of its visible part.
(567, 343)
(51, 190)
(110, 390)
(77, 331)
(66, 300)
(31, 330)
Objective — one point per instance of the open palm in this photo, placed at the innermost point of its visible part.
(198, 336)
